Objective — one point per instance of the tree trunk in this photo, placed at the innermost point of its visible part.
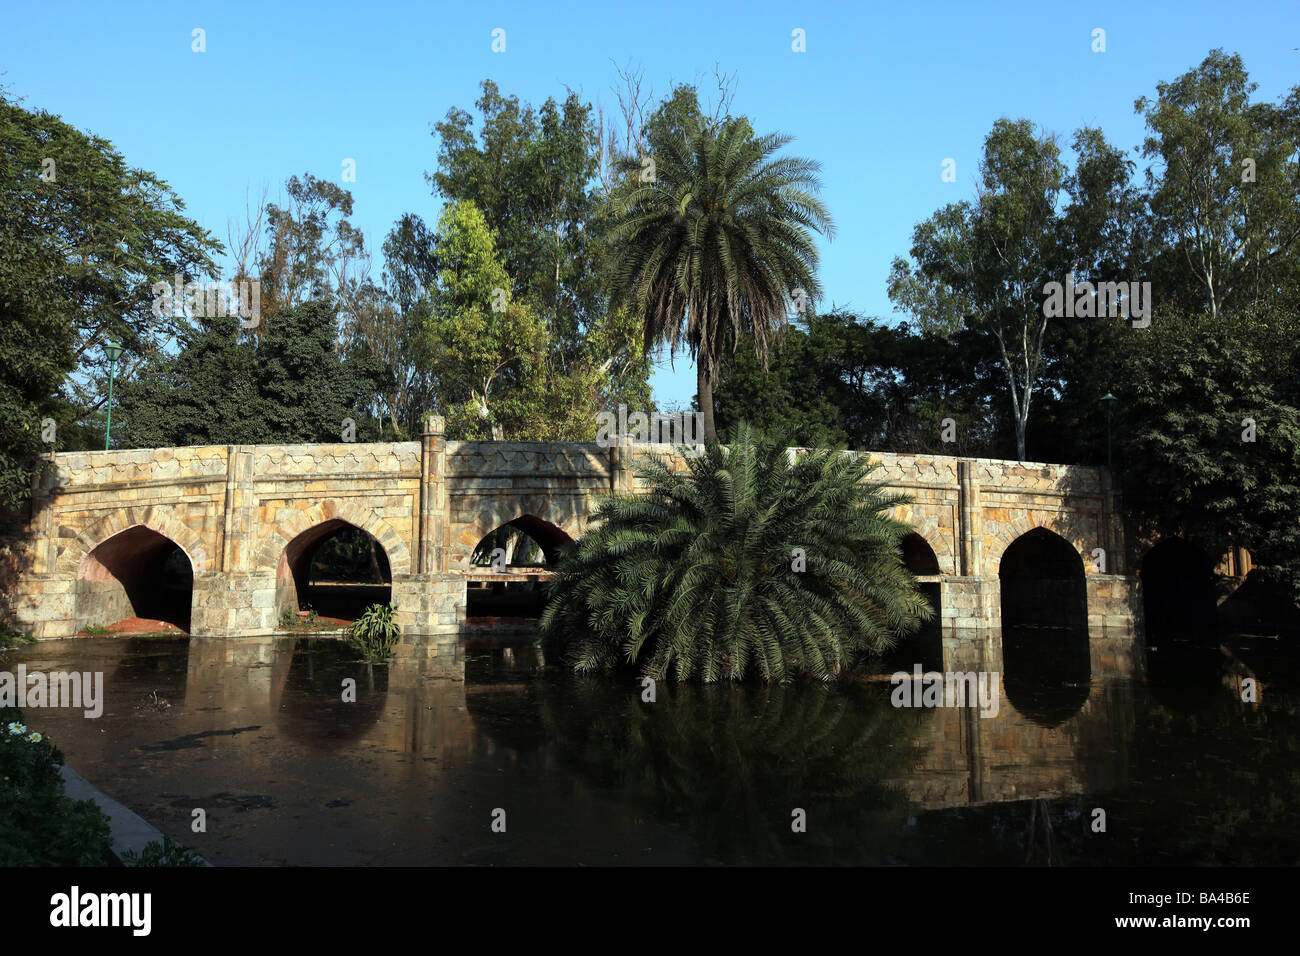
(705, 395)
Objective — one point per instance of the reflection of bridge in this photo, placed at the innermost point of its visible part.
(1022, 754)
(961, 758)
(990, 535)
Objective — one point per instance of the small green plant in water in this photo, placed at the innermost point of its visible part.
(166, 853)
(95, 630)
(375, 633)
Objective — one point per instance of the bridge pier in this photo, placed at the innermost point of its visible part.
(971, 620)
(431, 605)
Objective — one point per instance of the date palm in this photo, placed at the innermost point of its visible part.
(747, 563)
(718, 244)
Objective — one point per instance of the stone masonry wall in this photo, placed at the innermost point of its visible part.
(237, 510)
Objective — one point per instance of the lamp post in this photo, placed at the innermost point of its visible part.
(112, 350)
(1110, 401)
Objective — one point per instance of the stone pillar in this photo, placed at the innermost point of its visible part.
(620, 475)
(230, 597)
(432, 549)
(44, 546)
(1115, 623)
(1111, 530)
(430, 602)
(969, 542)
(41, 602)
(237, 529)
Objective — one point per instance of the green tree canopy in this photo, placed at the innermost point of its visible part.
(82, 239)
(1224, 188)
(718, 244)
(1209, 425)
(843, 380)
(225, 387)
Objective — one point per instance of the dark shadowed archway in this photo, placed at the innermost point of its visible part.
(925, 647)
(335, 569)
(1045, 627)
(510, 566)
(135, 573)
(1178, 591)
(1042, 581)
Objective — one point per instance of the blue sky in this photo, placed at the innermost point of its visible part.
(882, 95)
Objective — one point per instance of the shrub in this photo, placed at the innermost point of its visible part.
(166, 853)
(39, 824)
(701, 577)
(375, 633)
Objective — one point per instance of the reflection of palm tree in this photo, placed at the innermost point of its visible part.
(1050, 853)
(732, 763)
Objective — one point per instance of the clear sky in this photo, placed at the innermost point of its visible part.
(883, 94)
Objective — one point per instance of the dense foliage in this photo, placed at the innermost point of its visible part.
(748, 564)
(842, 380)
(164, 852)
(82, 236)
(1211, 424)
(718, 244)
(226, 387)
(40, 826)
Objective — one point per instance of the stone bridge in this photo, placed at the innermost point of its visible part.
(238, 525)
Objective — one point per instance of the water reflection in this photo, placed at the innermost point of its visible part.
(1048, 672)
(736, 766)
(258, 732)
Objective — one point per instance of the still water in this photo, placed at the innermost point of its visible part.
(257, 734)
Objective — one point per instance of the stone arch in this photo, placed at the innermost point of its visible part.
(334, 509)
(533, 515)
(925, 646)
(1012, 532)
(290, 549)
(1041, 578)
(1046, 653)
(941, 544)
(927, 526)
(136, 571)
(163, 521)
(919, 556)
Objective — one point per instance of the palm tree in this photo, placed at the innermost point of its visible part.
(718, 244)
(747, 562)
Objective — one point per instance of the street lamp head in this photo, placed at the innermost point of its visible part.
(1109, 399)
(112, 350)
